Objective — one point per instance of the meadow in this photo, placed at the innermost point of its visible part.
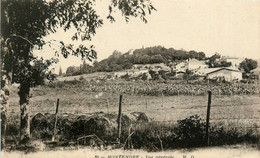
(234, 117)
(81, 97)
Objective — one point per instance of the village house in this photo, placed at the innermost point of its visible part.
(192, 64)
(196, 64)
(235, 61)
(181, 65)
(180, 68)
(154, 67)
(132, 73)
(227, 73)
(136, 73)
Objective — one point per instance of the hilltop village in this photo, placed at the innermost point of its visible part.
(159, 63)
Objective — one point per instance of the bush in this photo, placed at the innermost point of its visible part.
(187, 133)
(163, 74)
(154, 75)
(230, 135)
(190, 132)
(81, 78)
(144, 76)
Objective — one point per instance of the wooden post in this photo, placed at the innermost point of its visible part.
(119, 117)
(55, 123)
(146, 103)
(107, 105)
(162, 99)
(207, 119)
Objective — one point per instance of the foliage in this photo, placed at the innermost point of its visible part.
(24, 23)
(248, 64)
(187, 75)
(81, 78)
(184, 55)
(215, 61)
(224, 64)
(72, 71)
(191, 131)
(188, 133)
(154, 75)
(150, 55)
(144, 76)
(154, 88)
(60, 72)
(85, 68)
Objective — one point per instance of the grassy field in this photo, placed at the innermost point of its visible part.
(177, 120)
(242, 111)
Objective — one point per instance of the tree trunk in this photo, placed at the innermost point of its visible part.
(24, 112)
(4, 106)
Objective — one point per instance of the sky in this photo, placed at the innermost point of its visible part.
(229, 27)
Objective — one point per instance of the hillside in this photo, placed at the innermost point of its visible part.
(154, 55)
(150, 55)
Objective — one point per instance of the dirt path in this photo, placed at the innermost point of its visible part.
(218, 152)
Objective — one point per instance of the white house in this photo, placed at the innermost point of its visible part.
(235, 61)
(155, 67)
(181, 65)
(132, 73)
(135, 73)
(196, 64)
(228, 73)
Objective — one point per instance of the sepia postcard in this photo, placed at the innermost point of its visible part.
(130, 78)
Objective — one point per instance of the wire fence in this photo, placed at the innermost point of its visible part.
(237, 105)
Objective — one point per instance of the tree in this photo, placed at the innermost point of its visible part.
(72, 70)
(5, 78)
(224, 64)
(201, 55)
(85, 68)
(24, 23)
(214, 60)
(247, 65)
(60, 72)
(187, 75)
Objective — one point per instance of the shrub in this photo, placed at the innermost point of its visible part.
(81, 78)
(190, 131)
(144, 76)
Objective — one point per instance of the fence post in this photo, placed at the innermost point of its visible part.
(55, 123)
(146, 103)
(207, 119)
(162, 99)
(119, 117)
(107, 105)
